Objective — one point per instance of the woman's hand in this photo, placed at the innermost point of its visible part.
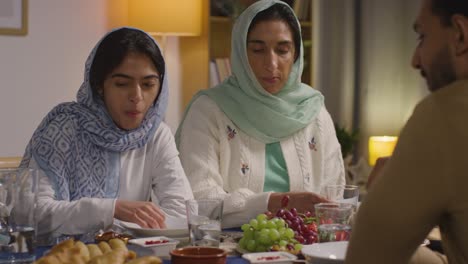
(302, 201)
(145, 214)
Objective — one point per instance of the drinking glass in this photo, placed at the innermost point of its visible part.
(204, 222)
(18, 192)
(341, 193)
(333, 220)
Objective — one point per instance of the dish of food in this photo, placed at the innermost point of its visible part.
(176, 228)
(114, 251)
(270, 257)
(205, 255)
(160, 246)
(326, 253)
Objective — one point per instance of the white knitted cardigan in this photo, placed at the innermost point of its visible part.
(221, 161)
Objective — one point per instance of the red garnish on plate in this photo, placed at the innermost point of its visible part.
(155, 242)
(269, 258)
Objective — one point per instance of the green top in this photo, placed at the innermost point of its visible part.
(276, 171)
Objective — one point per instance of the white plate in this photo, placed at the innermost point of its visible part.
(176, 228)
(162, 249)
(325, 253)
(142, 241)
(263, 257)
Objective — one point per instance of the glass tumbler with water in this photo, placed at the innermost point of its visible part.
(204, 220)
(18, 192)
(333, 220)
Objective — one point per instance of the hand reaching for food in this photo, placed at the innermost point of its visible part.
(145, 214)
(302, 201)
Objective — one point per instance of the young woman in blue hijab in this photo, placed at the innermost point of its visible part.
(261, 133)
(109, 155)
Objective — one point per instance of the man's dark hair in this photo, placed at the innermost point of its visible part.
(445, 9)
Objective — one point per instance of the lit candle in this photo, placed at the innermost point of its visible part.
(380, 147)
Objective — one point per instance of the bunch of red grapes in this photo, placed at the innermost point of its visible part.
(303, 224)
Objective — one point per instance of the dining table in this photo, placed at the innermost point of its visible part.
(234, 257)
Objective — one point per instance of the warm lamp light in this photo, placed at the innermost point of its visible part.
(166, 17)
(380, 147)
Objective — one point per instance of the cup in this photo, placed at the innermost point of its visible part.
(18, 192)
(333, 221)
(204, 221)
(341, 193)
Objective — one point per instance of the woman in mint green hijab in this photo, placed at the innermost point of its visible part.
(261, 133)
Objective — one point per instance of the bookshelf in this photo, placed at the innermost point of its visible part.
(215, 42)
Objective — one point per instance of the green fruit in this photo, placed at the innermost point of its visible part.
(261, 217)
(251, 245)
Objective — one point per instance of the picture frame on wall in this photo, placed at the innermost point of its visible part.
(13, 17)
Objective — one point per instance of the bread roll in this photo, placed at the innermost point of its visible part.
(117, 256)
(114, 252)
(105, 248)
(83, 250)
(146, 260)
(49, 259)
(94, 251)
(116, 243)
(69, 255)
(131, 255)
(66, 244)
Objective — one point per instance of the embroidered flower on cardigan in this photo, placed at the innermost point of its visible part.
(313, 144)
(231, 132)
(307, 178)
(244, 168)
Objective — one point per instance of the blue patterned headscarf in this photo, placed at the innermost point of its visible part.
(78, 145)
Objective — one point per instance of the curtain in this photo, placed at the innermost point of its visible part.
(362, 64)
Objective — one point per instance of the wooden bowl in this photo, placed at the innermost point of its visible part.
(205, 255)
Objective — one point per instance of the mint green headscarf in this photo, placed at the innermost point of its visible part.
(264, 116)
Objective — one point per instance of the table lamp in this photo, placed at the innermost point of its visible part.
(380, 146)
(166, 17)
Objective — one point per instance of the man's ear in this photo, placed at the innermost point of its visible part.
(460, 25)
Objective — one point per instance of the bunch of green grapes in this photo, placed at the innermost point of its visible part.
(262, 234)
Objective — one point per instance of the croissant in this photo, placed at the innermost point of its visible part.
(94, 250)
(83, 250)
(116, 243)
(114, 251)
(146, 260)
(105, 248)
(117, 256)
(51, 259)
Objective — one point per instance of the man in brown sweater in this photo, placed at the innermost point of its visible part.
(425, 182)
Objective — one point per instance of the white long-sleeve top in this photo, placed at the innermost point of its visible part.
(222, 162)
(151, 172)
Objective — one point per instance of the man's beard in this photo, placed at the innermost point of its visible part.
(441, 71)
